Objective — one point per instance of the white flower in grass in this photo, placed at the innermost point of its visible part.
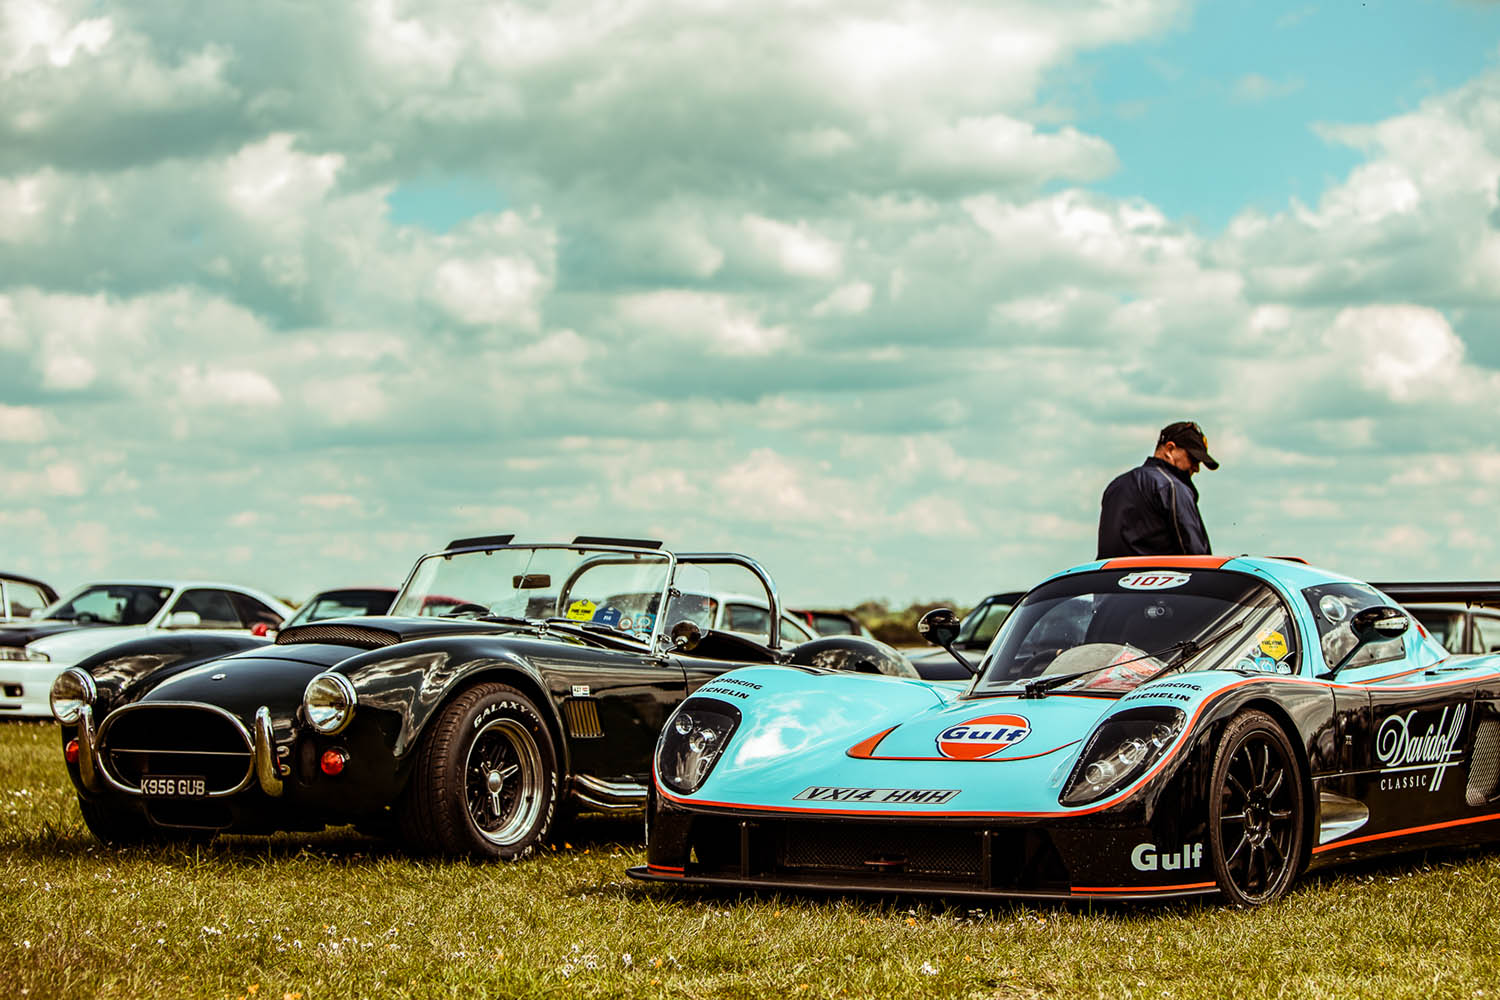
(626, 960)
(928, 969)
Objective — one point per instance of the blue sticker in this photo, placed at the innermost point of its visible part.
(1265, 663)
(607, 615)
(645, 623)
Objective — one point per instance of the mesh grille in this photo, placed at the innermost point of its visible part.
(858, 847)
(583, 718)
(358, 636)
(1484, 770)
(177, 740)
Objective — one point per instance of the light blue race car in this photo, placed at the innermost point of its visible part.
(1139, 728)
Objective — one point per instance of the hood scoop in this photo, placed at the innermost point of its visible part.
(358, 636)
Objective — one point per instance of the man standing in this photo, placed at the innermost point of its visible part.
(1152, 510)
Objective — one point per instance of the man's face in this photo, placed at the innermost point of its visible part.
(1179, 457)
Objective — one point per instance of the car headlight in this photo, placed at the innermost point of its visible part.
(328, 703)
(72, 691)
(692, 742)
(22, 653)
(1120, 751)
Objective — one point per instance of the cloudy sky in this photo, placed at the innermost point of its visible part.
(881, 293)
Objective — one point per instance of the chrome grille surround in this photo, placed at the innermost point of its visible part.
(358, 636)
(177, 738)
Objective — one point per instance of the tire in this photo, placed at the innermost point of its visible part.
(484, 783)
(1256, 811)
(117, 827)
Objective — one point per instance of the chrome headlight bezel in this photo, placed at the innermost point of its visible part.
(73, 690)
(692, 742)
(328, 702)
(1123, 748)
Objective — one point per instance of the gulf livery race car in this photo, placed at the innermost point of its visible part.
(1139, 728)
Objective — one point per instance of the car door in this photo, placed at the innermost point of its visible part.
(613, 704)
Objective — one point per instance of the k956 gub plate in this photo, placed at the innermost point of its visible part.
(174, 786)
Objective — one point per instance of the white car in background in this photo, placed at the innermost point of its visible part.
(99, 615)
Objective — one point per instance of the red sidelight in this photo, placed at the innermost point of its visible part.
(70, 752)
(333, 761)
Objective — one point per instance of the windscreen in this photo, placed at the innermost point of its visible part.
(1117, 629)
(618, 590)
(111, 604)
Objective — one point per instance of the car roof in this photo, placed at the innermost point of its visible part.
(259, 595)
(23, 578)
(1292, 573)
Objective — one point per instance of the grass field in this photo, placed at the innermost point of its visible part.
(338, 915)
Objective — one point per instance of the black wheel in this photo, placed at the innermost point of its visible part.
(485, 779)
(117, 827)
(1256, 810)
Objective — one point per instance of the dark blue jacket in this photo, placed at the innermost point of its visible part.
(1151, 510)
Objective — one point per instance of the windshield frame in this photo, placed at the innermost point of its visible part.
(1261, 601)
(586, 552)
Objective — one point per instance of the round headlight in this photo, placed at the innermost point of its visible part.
(71, 692)
(328, 703)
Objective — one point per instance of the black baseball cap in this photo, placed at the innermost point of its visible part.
(1189, 437)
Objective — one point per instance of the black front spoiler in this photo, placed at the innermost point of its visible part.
(647, 873)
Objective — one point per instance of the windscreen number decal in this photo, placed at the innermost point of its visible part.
(1154, 580)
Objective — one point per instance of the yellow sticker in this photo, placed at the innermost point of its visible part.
(581, 611)
(1273, 644)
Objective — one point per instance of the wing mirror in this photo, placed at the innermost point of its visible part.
(184, 619)
(685, 636)
(940, 627)
(1377, 624)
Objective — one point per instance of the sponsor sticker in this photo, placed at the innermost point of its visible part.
(580, 690)
(983, 737)
(1273, 644)
(903, 796)
(581, 611)
(1418, 743)
(1154, 579)
(1146, 858)
(607, 615)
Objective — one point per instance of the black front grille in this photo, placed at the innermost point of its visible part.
(187, 740)
(358, 636)
(874, 854)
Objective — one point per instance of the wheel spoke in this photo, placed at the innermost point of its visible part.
(1276, 784)
(1237, 848)
(1232, 818)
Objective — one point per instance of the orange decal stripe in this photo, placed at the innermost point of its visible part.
(1082, 889)
(1167, 562)
(1406, 832)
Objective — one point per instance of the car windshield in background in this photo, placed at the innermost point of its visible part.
(342, 604)
(981, 624)
(614, 589)
(111, 604)
(1117, 629)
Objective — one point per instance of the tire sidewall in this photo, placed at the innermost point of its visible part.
(1240, 729)
(488, 704)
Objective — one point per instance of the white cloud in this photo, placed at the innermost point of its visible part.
(22, 424)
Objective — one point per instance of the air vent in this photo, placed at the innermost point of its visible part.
(358, 636)
(1484, 772)
(583, 718)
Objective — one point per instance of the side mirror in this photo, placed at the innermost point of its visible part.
(184, 619)
(686, 636)
(940, 627)
(1377, 624)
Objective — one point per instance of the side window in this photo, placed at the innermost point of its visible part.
(1333, 605)
(791, 632)
(747, 619)
(1447, 627)
(23, 599)
(213, 608)
(252, 612)
(1486, 633)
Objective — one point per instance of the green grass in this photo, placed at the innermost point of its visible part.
(338, 915)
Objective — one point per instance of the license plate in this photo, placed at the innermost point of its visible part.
(167, 786)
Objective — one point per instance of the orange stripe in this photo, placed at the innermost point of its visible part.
(1167, 562)
(1402, 833)
(1141, 888)
(665, 869)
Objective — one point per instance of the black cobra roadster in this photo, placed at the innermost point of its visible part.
(539, 690)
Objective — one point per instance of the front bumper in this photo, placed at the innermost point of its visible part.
(1101, 856)
(26, 687)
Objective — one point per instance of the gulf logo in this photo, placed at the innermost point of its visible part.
(982, 737)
